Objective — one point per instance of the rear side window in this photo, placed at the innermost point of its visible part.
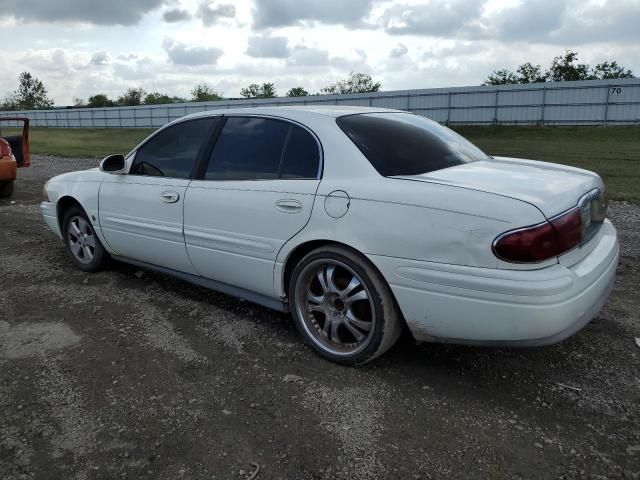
(301, 157)
(406, 144)
(254, 148)
(173, 151)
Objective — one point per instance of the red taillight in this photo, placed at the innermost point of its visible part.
(568, 228)
(527, 245)
(541, 242)
(5, 149)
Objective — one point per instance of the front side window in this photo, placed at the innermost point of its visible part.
(254, 148)
(406, 144)
(173, 151)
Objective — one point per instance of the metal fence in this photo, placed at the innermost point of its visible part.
(592, 102)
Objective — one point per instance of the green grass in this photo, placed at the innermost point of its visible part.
(613, 152)
(82, 142)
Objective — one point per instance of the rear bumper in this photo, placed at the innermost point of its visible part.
(483, 306)
(49, 214)
(8, 169)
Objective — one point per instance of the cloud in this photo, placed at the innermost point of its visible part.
(108, 12)
(280, 13)
(210, 13)
(308, 56)
(437, 18)
(190, 55)
(266, 46)
(176, 15)
(606, 22)
(100, 58)
(399, 51)
(532, 20)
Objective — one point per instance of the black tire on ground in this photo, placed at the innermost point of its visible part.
(6, 189)
(99, 256)
(388, 323)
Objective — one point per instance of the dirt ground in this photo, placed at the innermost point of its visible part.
(128, 375)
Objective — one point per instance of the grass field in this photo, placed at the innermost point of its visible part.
(613, 152)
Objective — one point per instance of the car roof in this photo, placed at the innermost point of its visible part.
(295, 112)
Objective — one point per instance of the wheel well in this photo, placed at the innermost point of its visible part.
(63, 205)
(303, 249)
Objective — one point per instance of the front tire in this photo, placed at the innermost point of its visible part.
(6, 189)
(81, 240)
(343, 307)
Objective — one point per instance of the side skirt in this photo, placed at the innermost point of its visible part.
(221, 287)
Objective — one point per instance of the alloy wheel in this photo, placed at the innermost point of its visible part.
(336, 307)
(81, 240)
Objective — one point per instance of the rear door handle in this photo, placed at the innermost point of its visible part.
(170, 197)
(289, 206)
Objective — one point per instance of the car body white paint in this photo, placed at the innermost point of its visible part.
(429, 235)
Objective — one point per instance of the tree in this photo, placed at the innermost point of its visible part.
(266, 90)
(501, 77)
(204, 93)
(606, 70)
(530, 73)
(8, 104)
(156, 98)
(297, 92)
(565, 68)
(354, 83)
(132, 97)
(100, 100)
(31, 94)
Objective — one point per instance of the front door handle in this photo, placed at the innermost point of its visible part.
(289, 206)
(170, 197)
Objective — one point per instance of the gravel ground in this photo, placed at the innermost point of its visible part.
(114, 376)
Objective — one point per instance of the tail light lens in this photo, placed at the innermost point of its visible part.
(5, 149)
(541, 242)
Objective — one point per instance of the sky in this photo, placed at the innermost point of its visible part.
(82, 47)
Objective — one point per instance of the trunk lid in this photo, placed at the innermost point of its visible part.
(550, 187)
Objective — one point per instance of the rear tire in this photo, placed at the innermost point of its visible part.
(81, 240)
(6, 189)
(343, 307)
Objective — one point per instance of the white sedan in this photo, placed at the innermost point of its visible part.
(360, 221)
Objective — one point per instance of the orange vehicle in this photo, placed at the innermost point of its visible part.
(14, 154)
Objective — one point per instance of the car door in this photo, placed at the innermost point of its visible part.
(255, 192)
(141, 213)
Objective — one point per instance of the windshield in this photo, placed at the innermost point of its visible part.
(407, 144)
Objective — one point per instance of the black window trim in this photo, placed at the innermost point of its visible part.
(205, 159)
(199, 155)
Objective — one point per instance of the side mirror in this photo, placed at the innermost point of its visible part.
(113, 164)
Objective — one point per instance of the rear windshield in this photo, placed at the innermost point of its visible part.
(407, 144)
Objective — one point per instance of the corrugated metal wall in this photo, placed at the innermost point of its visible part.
(592, 102)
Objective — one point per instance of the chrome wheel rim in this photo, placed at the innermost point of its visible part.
(336, 307)
(81, 240)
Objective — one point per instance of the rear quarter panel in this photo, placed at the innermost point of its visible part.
(406, 219)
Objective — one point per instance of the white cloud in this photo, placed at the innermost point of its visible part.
(266, 46)
(176, 15)
(435, 18)
(108, 12)
(100, 58)
(211, 13)
(277, 13)
(169, 46)
(191, 55)
(399, 51)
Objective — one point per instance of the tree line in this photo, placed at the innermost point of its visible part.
(563, 68)
(32, 94)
